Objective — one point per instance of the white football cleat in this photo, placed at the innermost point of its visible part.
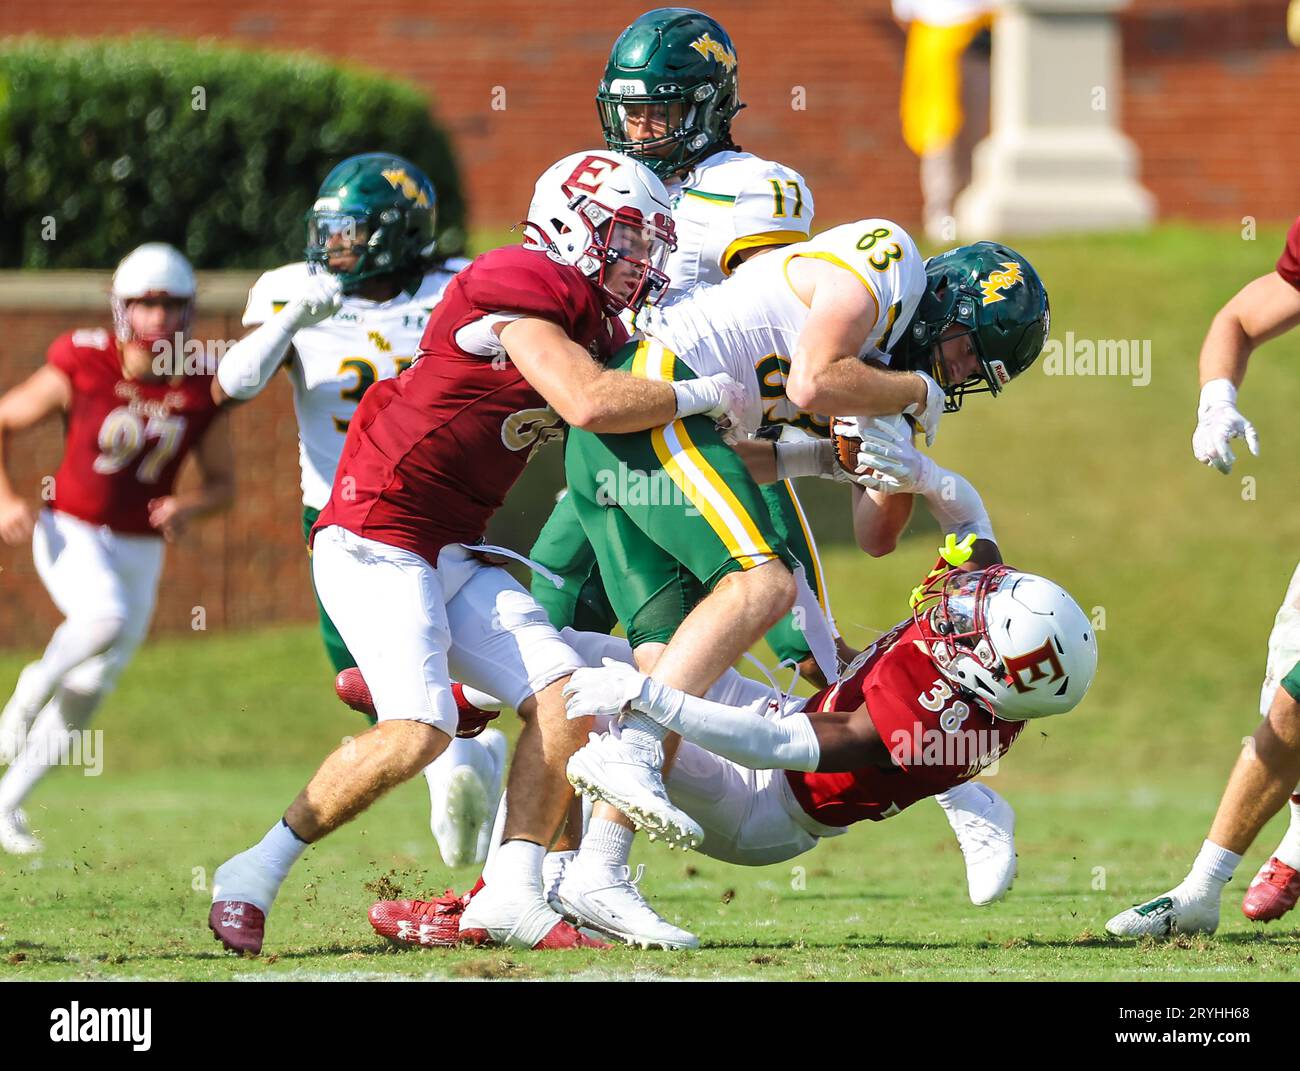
(16, 836)
(628, 777)
(1180, 910)
(985, 825)
(464, 788)
(612, 905)
(518, 918)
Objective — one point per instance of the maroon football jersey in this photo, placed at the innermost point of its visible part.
(1288, 264)
(936, 739)
(126, 438)
(430, 455)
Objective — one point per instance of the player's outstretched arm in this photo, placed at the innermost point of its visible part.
(250, 363)
(602, 400)
(216, 489)
(45, 392)
(1261, 310)
(835, 741)
(890, 465)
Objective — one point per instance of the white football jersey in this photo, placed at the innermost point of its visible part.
(334, 362)
(729, 202)
(748, 325)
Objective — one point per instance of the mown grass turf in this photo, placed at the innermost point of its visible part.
(1089, 479)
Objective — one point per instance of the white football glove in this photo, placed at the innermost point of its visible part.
(609, 690)
(887, 460)
(718, 396)
(318, 300)
(928, 420)
(1218, 423)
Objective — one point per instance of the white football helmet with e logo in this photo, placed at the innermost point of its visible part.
(154, 269)
(1016, 641)
(609, 216)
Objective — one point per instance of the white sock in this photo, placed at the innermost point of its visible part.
(605, 846)
(481, 699)
(280, 849)
(1212, 869)
(641, 730)
(1289, 850)
(969, 796)
(518, 863)
(554, 867)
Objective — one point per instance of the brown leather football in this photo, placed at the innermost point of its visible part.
(846, 452)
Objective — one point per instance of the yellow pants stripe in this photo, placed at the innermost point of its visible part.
(699, 481)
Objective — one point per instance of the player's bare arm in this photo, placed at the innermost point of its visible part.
(596, 399)
(215, 459)
(825, 374)
(44, 393)
(1261, 310)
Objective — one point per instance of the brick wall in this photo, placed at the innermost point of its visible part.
(1207, 92)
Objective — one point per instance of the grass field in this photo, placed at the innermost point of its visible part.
(1089, 479)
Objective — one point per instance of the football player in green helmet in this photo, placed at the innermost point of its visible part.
(373, 223)
(350, 313)
(982, 321)
(670, 90)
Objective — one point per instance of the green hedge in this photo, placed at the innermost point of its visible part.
(214, 149)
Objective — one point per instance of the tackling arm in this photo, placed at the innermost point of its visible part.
(45, 392)
(601, 400)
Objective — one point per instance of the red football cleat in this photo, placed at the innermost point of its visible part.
(238, 925)
(473, 720)
(1272, 893)
(428, 923)
(352, 688)
(563, 935)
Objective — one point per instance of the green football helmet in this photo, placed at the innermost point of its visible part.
(676, 67)
(379, 206)
(993, 293)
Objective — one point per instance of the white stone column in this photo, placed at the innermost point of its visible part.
(1055, 159)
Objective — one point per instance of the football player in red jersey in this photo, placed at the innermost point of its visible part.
(1268, 769)
(514, 350)
(98, 545)
(929, 706)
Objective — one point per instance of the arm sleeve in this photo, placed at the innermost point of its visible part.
(741, 734)
(1288, 264)
(956, 505)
